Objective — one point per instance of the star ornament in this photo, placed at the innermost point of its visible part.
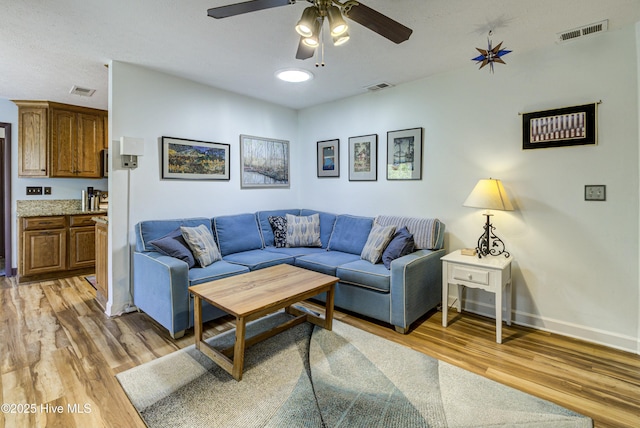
(490, 55)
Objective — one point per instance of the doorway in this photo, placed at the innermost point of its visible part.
(6, 261)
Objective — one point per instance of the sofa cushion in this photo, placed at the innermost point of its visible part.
(296, 251)
(350, 233)
(202, 244)
(327, 220)
(279, 227)
(217, 270)
(401, 245)
(366, 275)
(325, 262)
(149, 230)
(428, 233)
(258, 259)
(237, 233)
(378, 239)
(265, 227)
(174, 245)
(303, 231)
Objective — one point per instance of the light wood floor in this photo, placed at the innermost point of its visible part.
(57, 348)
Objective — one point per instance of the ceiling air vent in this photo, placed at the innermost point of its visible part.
(586, 30)
(378, 86)
(83, 92)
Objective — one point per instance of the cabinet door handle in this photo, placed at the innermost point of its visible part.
(470, 277)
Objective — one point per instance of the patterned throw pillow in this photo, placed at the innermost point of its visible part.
(303, 231)
(279, 226)
(202, 244)
(378, 239)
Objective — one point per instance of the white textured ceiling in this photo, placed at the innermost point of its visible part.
(48, 46)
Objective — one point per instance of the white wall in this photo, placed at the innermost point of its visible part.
(147, 104)
(576, 262)
(638, 76)
(61, 188)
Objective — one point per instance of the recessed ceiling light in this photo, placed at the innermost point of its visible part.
(294, 75)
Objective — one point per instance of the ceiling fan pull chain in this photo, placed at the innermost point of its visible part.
(322, 44)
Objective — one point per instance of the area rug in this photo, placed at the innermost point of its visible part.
(91, 279)
(310, 377)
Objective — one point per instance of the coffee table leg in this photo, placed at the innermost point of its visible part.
(197, 319)
(238, 349)
(328, 309)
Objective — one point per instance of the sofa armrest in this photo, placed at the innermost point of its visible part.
(416, 286)
(160, 288)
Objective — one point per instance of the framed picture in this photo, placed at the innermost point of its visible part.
(264, 162)
(363, 158)
(194, 160)
(328, 158)
(404, 154)
(569, 126)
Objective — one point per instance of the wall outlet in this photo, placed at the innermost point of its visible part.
(595, 192)
(31, 190)
(47, 190)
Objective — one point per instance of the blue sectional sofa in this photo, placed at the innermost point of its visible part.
(397, 296)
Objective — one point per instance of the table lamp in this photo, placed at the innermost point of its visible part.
(489, 194)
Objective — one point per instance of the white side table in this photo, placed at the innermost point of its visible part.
(492, 274)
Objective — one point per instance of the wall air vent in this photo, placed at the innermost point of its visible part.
(586, 30)
(378, 86)
(83, 92)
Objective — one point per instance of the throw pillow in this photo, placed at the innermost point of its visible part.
(401, 245)
(303, 231)
(200, 240)
(174, 245)
(279, 227)
(378, 239)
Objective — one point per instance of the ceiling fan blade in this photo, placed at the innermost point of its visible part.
(304, 51)
(245, 7)
(381, 24)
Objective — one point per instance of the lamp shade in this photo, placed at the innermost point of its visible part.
(336, 23)
(306, 24)
(489, 194)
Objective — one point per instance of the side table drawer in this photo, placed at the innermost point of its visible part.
(470, 277)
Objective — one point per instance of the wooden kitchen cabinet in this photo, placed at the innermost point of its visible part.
(44, 243)
(60, 140)
(32, 140)
(55, 247)
(82, 242)
(77, 141)
(102, 260)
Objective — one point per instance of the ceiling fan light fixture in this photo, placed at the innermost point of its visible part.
(294, 75)
(337, 24)
(341, 39)
(313, 40)
(305, 26)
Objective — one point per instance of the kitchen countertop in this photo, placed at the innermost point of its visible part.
(51, 207)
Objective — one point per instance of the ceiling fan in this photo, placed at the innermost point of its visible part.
(310, 24)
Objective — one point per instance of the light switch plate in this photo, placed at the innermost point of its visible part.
(595, 192)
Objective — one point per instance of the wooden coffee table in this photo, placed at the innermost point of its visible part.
(253, 295)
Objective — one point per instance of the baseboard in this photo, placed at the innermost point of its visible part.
(576, 331)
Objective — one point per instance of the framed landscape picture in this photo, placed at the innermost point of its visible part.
(404, 154)
(194, 160)
(264, 162)
(328, 158)
(363, 158)
(569, 126)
